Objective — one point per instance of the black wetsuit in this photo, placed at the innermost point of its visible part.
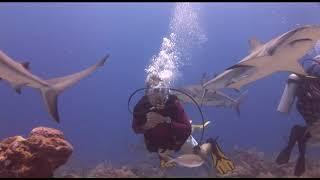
(308, 100)
(308, 105)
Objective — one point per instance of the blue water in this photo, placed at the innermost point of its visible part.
(63, 38)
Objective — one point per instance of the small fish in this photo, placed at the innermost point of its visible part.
(188, 160)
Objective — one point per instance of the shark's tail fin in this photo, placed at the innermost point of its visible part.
(239, 101)
(58, 85)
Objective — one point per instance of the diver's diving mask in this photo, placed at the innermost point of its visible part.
(158, 95)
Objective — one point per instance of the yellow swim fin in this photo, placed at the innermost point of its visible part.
(165, 164)
(221, 163)
(165, 161)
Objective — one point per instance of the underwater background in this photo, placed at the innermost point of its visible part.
(62, 38)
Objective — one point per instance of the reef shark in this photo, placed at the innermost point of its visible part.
(210, 97)
(279, 54)
(18, 75)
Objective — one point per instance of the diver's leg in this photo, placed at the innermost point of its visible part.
(302, 144)
(296, 133)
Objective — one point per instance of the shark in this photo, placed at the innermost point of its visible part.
(281, 53)
(210, 97)
(19, 75)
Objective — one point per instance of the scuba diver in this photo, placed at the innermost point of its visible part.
(307, 92)
(161, 118)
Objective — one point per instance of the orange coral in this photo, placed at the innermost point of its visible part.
(39, 155)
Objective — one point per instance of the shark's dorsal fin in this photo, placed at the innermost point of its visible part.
(204, 78)
(25, 64)
(254, 44)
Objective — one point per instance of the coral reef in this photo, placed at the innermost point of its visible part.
(38, 155)
(145, 169)
(248, 163)
(106, 170)
(251, 163)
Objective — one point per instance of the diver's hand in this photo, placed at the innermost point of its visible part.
(160, 106)
(148, 125)
(153, 119)
(157, 118)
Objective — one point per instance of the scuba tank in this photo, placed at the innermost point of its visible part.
(288, 96)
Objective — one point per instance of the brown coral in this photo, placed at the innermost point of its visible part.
(105, 170)
(250, 163)
(39, 155)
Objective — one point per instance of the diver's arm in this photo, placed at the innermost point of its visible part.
(139, 118)
(144, 121)
(289, 94)
(182, 127)
(137, 126)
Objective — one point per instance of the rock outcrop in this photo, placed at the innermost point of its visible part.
(38, 155)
